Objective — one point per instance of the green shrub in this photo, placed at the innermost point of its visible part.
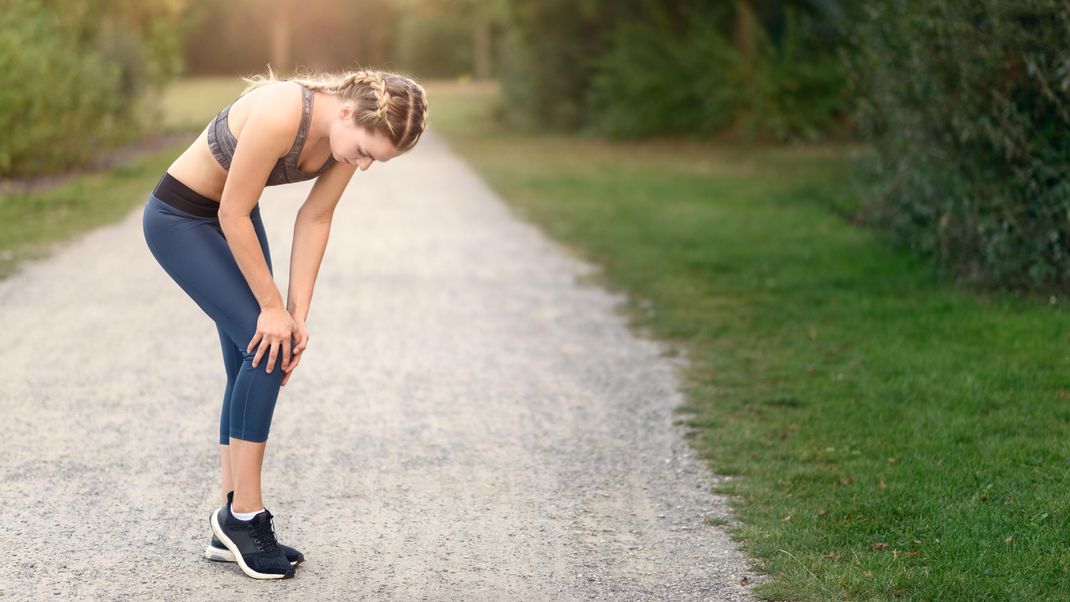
(53, 98)
(966, 104)
(635, 68)
(652, 80)
(798, 87)
(545, 68)
(435, 44)
(72, 76)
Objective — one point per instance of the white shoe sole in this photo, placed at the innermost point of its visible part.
(213, 553)
(234, 551)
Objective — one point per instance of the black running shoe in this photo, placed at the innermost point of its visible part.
(217, 551)
(253, 544)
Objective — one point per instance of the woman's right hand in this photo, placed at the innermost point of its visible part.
(274, 329)
(300, 344)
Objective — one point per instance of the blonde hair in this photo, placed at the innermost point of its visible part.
(388, 103)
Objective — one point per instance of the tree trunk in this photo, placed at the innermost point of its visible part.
(744, 36)
(744, 40)
(282, 34)
(481, 52)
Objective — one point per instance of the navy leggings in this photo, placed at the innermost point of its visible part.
(193, 251)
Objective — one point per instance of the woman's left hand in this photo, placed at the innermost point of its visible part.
(300, 336)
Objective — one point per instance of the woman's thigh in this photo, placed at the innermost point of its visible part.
(195, 253)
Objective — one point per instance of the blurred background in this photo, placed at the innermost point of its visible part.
(965, 103)
(852, 214)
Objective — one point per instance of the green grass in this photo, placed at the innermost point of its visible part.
(30, 223)
(892, 437)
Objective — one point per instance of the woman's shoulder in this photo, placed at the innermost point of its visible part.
(278, 105)
(282, 96)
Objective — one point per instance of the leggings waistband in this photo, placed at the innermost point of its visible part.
(176, 194)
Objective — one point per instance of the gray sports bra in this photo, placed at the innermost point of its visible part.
(222, 143)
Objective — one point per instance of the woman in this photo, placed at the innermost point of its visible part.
(202, 224)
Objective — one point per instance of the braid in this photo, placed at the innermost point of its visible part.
(374, 80)
(383, 98)
(417, 101)
(423, 96)
(377, 108)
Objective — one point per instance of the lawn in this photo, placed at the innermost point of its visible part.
(891, 437)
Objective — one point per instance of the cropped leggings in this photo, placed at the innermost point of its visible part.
(192, 250)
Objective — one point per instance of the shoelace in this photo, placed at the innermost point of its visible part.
(263, 533)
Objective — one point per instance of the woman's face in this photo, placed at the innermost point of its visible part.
(355, 145)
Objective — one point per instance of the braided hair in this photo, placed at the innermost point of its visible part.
(387, 103)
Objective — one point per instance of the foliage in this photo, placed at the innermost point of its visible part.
(547, 64)
(967, 106)
(653, 80)
(438, 38)
(641, 67)
(796, 83)
(73, 73)
(435, 43)
(662, 75)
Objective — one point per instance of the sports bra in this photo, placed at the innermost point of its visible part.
(222, 143)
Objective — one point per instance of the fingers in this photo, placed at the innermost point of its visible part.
(295, 360)
(286, 376)
(293, 363)
(301, 342)
(253, 343)
(259, 352)
(274, 334)
(272, 356)
(289, 361)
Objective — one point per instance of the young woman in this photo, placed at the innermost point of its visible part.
(202, 224)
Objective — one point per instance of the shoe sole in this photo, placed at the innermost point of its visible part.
(237, 557)
(213, 553)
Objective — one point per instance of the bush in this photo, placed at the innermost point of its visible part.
(653, 80)
(661, 75)
(966, 104)
(73, 76)
(799, 87)
(546, 65)
(435, 43)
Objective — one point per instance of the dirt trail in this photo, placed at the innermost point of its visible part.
(470, 421)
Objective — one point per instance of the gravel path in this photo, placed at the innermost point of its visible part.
(470, 421)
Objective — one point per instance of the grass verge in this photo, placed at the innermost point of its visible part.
(31, 224)
(893, 437)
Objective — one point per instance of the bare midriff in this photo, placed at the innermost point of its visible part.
(197, 168)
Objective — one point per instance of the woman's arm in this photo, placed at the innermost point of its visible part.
(311, 231)
(310, 240)
(267, 134)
